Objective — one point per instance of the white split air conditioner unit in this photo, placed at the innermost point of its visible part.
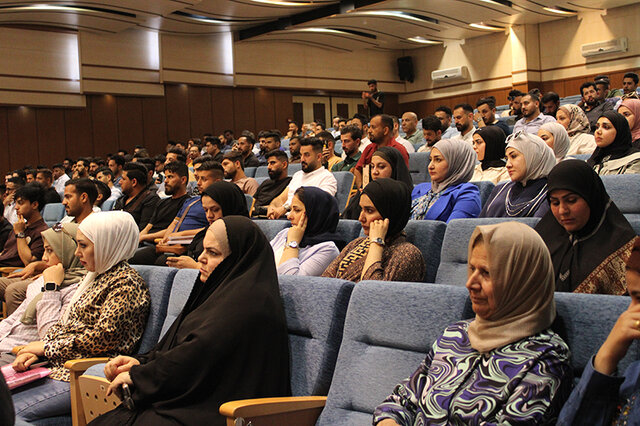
(449, 74)
(603, 47)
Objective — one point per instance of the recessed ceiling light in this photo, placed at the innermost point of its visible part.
(560, 10)
(423, 40)
(483, 26)
(336, 31)
(286, 3)
(499, 2)
(394, 14)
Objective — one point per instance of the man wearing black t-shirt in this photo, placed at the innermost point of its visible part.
(277, 165)
(175, 184)
(373, 100)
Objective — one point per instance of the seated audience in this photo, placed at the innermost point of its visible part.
(270, 140)
(529, 161)
(489, 145)
(79, 198)
(213, 147)
(550, 103)
(444, 114)
(593, 106)
(515, 105)
(463, 117)
(240, 353)
(45, 178)
(386, 162)
(137, 199)
(294, 150)
(410, 128)
(312, 174)
(350, 136)
(532, 118)
(449, 195)
(220, 199)
(44, 303)
(59, 178)
(12, 185)
(104, 192)
(384, 253)
(557, 138)
(329, 157)
(615, 153)
(575, 121)
(116, 163)
(245, 144)
(402, 141)
(104, 174)
(277, 168)
(234, 171)
(587, 236)
(603, 89)
(630, 83)
(431, 131)
(630, 108)
(505, 366)
(486, 115)
(106, 316)
(311, 243)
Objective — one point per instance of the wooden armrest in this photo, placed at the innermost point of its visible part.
(6, 270)
(80, 365)
(268, 406)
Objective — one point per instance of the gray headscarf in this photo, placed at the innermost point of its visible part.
(462, 160)
(538, 157)
(561, 142)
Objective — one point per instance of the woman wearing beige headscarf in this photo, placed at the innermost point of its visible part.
(556, 137)
(573, 118)
(506, 366)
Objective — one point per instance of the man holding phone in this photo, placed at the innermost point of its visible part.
(329, 157)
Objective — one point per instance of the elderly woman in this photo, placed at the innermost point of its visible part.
(229, 342)
(44, 304)
(615, 154)
(589, 239)
(449, 195)
(575, 121)
(384, 253)
(506, 366)
(529, 161)
(603, 397)
(311, 243)
(489, 145)
(106, 315)
(556, 137)
(630, 109)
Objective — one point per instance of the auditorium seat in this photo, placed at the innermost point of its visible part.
(53, 213)
(261, 179)
(350, 229)
(249, 199)
(418, 163)
(485, 187)
(624, 190)
(250, 171)
(271, 227)
(107, 205)
(635, 224)
(262, 171)
(293, 168)
(345, 184)
(453, 258)
(427, 235)
(583, 157)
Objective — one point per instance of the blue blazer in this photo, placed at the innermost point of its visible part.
(456, 202)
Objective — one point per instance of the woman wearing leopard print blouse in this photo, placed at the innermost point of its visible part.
(106, 315)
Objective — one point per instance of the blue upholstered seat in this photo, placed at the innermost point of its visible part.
(345, 183)
(293, 168)
(107, 205)
(53, 213)
(624, 190)
(261, 171)
(418, 163)
(453, 258)
(635, 224)
(271, 227)
(349, 228)
(250, 171)
(583, 157)
(485, 187)
(249, 199)
(427, 235)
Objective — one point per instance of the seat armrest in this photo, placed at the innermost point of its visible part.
(268, 406)
(77, 367)
(80, 365)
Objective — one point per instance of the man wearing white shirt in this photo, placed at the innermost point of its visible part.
(402, 141)
(463, 117)
(444, 114)
(60, 178)
(312, 174)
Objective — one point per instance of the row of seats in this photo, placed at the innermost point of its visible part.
(354, 342)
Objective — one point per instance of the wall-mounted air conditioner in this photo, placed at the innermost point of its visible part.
(449, 74)
(603, 47)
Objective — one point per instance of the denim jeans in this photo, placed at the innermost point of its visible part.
(41, 399)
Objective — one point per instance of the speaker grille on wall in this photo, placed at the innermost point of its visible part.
(405, 69)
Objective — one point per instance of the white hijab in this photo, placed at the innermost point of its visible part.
(538, 157)
(114, 235)
(462, 161)
(561, 141)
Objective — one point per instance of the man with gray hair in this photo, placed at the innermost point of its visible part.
(410, 128)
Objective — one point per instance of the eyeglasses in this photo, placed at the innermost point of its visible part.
(514, 136)
(59, 227)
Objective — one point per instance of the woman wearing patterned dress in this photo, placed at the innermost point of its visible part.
(506, 366)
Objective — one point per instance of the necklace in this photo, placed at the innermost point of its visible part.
(516, 209)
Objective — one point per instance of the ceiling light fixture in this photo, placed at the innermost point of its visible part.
(422, 40)
(394, 14)
(498, 2)
(286, 3)
(483, 26)
(200, 18)
(560, 10)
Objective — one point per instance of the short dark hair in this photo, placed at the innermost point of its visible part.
(21, 174)
(212, 166)
(85, 161)
(468, 108)
(212, 140)
(445, 109)
(280, 155)
(352, 130)
(103, 189)
(325, 136)
(514, 94)
(17, 180)
(30, 172)
(490, 101)
(98, 160)
(119, 159)
(587, 84)
(178, 167)
(633, 76)
(321, 124)
(249, 135)
(84, 186)
(47, 173)
(272, 134)
(387, 121)
(533, 97)
(105, 171)
(550, 97)
(136, 171)
(148, 162)
(431, 122)
(182, 155)
(234, 156)
(372, 81)
(142, 153)
(363, 118)
(31, 192)
(201, 159)
(57, 166)
(161, 158)
(314, 142)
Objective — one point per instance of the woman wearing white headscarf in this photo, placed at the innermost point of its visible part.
(557, 138)
(575, 121)
(506, 366)
(449, 195)
(106, 316)
(529, 161)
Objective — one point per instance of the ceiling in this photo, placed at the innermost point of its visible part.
(345, 24)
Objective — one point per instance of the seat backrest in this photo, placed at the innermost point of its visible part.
(624, 190)
(262, 171)
(249, 199)
(53, 213)
(583, 157)
(315, 308)
(159, 279)
(261, 179)
(418, 163)
(388, 331)
(250, 171)
(345, 183)
(427, 235)
(634, 221)
(183, 282)
(485, 187)
(271, 227)
(349, 229)
(453, 258)
(107, 205)
(293, 168)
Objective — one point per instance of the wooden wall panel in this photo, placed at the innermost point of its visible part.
(51, 135)
(4, 143)
(130, 122)
(222, 110)
(154, 121)
(200, 110)
(178, 120)
(283, 110)
(265, 110)
(79, 133)
(243, 110)
(23, 137)
(104, 120)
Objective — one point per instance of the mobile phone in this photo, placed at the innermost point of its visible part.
(126, 397)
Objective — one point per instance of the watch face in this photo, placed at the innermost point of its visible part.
(293, 244)
(50, 286)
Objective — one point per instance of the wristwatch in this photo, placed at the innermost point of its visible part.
(378, 241)
(50, 286)
(292, 244)
(21, 235)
